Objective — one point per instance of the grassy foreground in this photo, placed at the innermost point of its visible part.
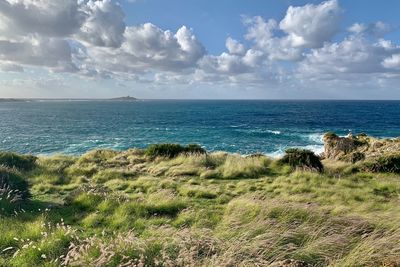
(109, 208)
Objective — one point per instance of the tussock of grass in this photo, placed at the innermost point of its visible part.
(13, 190)
(17, 161)
(172, 150)
(236, 166)
(111, 208)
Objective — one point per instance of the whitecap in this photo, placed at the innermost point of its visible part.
(276, 154)
(316, 138)
(317, 149)
(273, 132)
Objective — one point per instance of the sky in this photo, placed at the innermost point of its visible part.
(200, 49)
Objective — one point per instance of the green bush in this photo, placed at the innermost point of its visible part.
(11, 180)
(194, 149)
(389, 163)
(20, 162)
(302, 159)
(172, 150)
(13, 190)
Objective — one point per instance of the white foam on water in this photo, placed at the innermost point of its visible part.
(316, 138)
(317, 149)
(276, 154)
(273, 132)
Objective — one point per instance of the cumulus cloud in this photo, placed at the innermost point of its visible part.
(35, 33)
(46, 52)
(148, 47)
(104, 24)
(392, 62)
(376, 29)
(355, 54)
(90, 38)
(234, 46)
(308, 26)
(311, 25)
(49, 18)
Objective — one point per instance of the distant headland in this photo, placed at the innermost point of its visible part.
(10, 100)
(124, 98)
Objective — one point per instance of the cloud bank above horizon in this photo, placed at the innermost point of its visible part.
(81, 48)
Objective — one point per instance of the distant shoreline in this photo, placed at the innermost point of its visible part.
(68, 99)
(192, 99)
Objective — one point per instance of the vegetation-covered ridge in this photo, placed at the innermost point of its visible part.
(172, 205)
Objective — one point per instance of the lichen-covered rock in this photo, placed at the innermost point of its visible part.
(361, 147)
(341, 148)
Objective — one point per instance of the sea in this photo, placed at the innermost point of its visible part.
(46, 127)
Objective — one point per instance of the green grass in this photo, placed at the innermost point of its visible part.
(109, 208)
(19, 162)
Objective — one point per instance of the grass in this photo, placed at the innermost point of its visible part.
(20, 162)
(109, 208)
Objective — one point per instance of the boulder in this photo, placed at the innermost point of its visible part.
(358, 148)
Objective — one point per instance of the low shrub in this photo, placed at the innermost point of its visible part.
(172, 150)
(357, 156)
(302, 159)
(13, 190)
(388, 163)
(194, 149)
(20, 162)
(12, 181)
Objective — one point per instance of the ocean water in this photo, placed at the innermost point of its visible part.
(269, 127)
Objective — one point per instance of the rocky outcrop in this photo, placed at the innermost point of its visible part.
(355, 148)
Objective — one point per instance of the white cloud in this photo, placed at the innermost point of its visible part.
(392, 62)
(147, 47)
(234, 47)
(225, 64)
(47, 52)
(260, 30)
(104, 25)
(55, 18)
(376, 29)
(355, 54)
(308, 26)
(90, 38)
(64, 35)
(311, 25)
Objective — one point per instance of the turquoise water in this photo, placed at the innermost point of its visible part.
(74, 127)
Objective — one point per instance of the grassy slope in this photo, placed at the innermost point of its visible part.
(107, 208)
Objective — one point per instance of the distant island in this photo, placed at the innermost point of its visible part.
(11, 100)
(124, 98)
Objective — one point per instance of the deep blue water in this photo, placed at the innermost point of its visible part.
(74, 127)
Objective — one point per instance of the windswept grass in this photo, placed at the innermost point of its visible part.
(109, 208)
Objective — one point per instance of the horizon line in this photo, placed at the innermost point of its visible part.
(194, 99)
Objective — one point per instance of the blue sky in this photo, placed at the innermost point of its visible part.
(214, 21)
(333, 49)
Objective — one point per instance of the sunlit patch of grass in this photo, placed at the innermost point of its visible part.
(236, 166)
